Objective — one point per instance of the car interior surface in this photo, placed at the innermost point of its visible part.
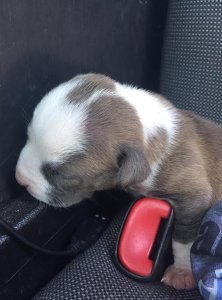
(170, 47)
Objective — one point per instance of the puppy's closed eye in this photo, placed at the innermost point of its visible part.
(72, 180)
(49, 171)
(54, 173)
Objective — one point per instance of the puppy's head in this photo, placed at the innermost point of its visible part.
(83, 137)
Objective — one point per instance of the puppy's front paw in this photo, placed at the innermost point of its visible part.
(179, 278)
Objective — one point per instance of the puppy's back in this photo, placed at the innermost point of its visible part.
(210, 145)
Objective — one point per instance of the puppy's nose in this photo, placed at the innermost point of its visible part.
(22, 180)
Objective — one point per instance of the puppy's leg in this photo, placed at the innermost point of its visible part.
(188, 216)
(179, 275)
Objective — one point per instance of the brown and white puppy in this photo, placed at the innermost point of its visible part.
(93, 133)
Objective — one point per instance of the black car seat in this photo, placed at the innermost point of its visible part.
(43, 43)
(191, 78)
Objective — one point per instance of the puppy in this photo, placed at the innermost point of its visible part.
(93, 133)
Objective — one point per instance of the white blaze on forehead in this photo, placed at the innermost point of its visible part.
(56, 130)
(57, 127)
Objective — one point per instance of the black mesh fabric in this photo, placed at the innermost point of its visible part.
(93, 275)
(192, 57)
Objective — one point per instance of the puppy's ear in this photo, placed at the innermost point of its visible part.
(134, 167)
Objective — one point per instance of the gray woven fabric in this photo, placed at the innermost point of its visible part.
(93, 275)
(192, 57)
